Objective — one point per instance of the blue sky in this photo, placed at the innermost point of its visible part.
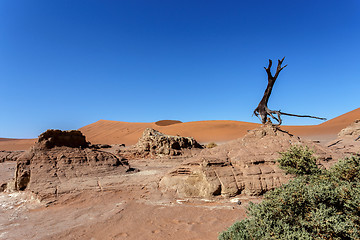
(68, 63)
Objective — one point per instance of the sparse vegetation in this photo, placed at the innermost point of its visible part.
(211, 145)
(317, 204)
(298, 160)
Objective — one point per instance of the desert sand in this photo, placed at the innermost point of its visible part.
(219, 131)
(131, 205)
(10, 144)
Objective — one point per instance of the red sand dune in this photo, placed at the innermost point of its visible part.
(11, 144)
(326, 131)
(116, 132)
(112, 132)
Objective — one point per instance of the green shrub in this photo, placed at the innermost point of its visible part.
(298, 160)
(319, 206)
(347, 169)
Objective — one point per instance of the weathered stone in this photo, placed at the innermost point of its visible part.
(353, 130)
(348, 140)
(156, 144)
(244, 166)
(9, 155)
(48, 168)
(3, 187)
(57, 138)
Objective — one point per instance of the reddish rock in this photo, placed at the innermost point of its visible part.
(52, 166)
(57, 138)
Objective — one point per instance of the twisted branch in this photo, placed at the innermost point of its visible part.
(262, 111)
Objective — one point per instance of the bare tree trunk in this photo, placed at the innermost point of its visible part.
(262, 111)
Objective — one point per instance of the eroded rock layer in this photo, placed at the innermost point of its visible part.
(48, 169)
(9, 155)
(156, 144)
(244, 166)
(348, 140)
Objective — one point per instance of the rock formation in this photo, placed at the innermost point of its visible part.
(348, 140)
(57, 138)
(244, 166)
(50, 167)
(156, 144)
(9, 155)
(351, 131)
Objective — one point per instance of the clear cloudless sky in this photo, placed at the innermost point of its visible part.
(68, 63)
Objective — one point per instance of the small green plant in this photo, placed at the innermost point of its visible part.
(347, 169)
(298, 160)
(211, 145)
(324, 205)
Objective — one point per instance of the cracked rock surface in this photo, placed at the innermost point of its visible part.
(245, 166)
(10, 155)
(60, 162)
(348, 140)
(154, 144)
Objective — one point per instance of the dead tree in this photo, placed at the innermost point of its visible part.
(262, 111)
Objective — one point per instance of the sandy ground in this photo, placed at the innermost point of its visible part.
(133, 209)
(15, 144)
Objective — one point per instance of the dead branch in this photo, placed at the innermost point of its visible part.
(333, 144)
(307, 116)
(262, 111)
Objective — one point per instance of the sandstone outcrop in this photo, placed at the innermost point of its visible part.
(244, 166)
(58, 159)
(9, 155)
(57, 138)
(348, 140)
(156, 144)
(351, 131)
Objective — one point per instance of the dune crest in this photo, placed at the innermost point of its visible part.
(117, 132)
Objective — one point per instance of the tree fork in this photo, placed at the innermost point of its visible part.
(262, 111)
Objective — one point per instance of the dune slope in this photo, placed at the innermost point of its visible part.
(116, 132)
(10, 144)
(112, 132)
(326, 131)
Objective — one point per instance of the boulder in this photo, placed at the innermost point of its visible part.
(58, 162)
(156, 144)
(244, 166)
(57, 138)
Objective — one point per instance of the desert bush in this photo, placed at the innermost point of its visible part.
(211, 145)
(324, 205)
(347, 169)
(298, 160)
